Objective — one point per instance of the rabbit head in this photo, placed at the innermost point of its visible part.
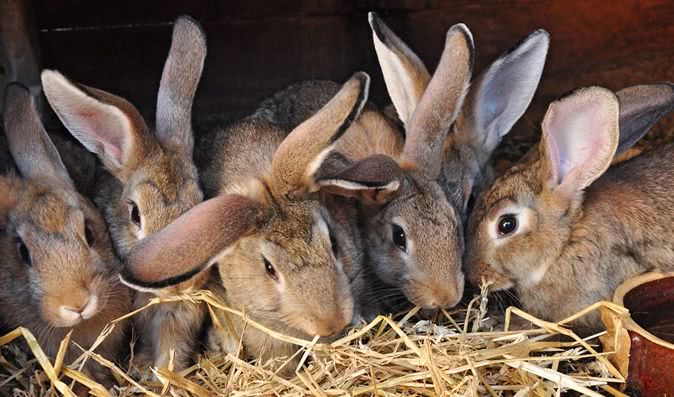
(415, 236)
(153, 179)
(272, 241)
(409, 227)
(520, 226)
(59, 267)
(407, 223)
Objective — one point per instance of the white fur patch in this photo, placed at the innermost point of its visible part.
(252, 188)
(348, 185)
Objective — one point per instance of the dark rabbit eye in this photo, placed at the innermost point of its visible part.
(398, 236)
(88, 234)
(333, 243)
(507, 224)
(23, 252)
(269, 268)
(134, 213)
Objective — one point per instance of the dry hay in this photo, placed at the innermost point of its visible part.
(453, 355)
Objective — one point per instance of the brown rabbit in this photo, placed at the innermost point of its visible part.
(283, 271)
(562, 230)
(151, 178)
(59, 270)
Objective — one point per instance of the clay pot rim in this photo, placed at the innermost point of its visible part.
(628, 322)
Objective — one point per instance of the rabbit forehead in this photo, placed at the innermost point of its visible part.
(422, 203)
(169, 175)
(294, 238)
(521, 182)
(49, 210)
(163, 191)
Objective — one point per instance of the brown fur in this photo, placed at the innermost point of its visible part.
(580, 246)
(151, 169)
(293, 231)
(43, 212)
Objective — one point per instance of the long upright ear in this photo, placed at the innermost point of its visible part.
(179, 82)
(35, 155)
(501, 94)
(641, 106)
(374, 180)
(300, 155)
(188, 245)
(440, 102)
(104, 123)
(580, 136)
(405, 74)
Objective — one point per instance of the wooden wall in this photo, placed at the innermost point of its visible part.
(259, 46)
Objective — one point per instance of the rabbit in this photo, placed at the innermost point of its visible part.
(150, 178)
(562, 230)
(60, 272)
(399, 220)
(275, 247)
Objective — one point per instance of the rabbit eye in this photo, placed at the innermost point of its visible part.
(88, 234)
(507, 224)
(23, 252)
(399, 238)
(269, 268)
(134, 213)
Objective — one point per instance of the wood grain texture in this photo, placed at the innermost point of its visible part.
(258, 46)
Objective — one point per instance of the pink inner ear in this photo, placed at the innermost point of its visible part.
(106, 129)
(581, 136)
(192, 239)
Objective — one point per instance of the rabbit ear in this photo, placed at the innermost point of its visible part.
(300, 155)
(440, 102)
(179, 81)
(405, 74)
(580, 136)
(641, 106)
(501, 94)
(104, 123)
(35, 155)
(188, 245)
(373, 180)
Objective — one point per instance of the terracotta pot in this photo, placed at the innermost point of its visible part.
(643, 338)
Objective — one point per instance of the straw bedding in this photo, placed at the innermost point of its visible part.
(463, 352)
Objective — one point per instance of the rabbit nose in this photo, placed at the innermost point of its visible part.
(76, 312)
(442, 299)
